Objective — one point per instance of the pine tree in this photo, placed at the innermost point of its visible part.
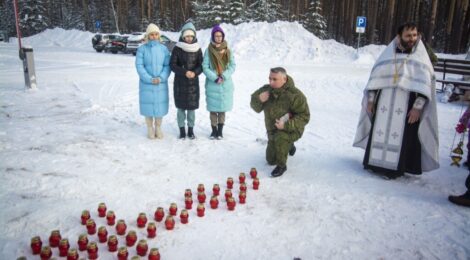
(237, 12)
(33, 17)
(314, 21)
(209, 13)
(200, 10)
(7, 18)
(265, 10)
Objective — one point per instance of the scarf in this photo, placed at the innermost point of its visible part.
(219, 57)
(188, 47)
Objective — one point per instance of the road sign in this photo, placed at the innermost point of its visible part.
(98, 24)
(361, 23)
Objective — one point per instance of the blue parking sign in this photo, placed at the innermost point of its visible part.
(98, 24)
(361, 23)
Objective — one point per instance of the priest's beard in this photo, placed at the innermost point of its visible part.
(408, 45)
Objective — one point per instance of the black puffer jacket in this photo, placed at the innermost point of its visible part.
(186, 91)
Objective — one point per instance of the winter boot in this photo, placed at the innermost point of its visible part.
(214, 132)
(278, 171)
(219, 131)
(150, 129)
(292, 150)
(183, 133)
(158, 129)
(190, 133)
(462, 200)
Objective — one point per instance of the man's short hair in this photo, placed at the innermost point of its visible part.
(407, 26)
(279, 70)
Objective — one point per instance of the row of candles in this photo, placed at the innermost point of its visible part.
(55, 239)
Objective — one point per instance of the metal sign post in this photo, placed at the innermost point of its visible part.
(361, 23)
(26, 55)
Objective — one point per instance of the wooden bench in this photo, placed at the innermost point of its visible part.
(456, 67)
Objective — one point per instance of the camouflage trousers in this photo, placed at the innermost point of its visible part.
(279, 144)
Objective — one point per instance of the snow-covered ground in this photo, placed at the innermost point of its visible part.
(79, 140)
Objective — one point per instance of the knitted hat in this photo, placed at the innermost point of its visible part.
(215, 29)
(188, 32)
(152, 28)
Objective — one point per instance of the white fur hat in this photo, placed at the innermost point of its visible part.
(152, 28)
(188, 32)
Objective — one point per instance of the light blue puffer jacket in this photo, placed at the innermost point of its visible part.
(153, 61)
(219, 97)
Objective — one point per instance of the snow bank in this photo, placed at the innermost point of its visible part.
(278, 41)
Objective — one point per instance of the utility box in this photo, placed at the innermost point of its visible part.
(26, 54)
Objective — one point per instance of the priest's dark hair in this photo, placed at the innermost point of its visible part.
(407, 26)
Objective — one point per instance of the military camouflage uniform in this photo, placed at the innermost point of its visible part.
(287, 99)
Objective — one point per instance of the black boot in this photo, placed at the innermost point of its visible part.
(190, 133)
(278, 171)
(182, 133)
(462, 200)
(219, 131)
(292, 150)
(214, 132)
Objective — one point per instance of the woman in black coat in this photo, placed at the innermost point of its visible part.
(186, 63)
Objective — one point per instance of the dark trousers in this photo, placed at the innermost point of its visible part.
(467, 182)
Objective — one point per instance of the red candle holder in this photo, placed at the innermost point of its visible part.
(188, 203)
(242, 177)
(91, 226)
(214, 202)
(121, 227)
(141, 220)
(142, 247)
(72, 254)
(151, 230)
(229, 183)
(169, 223)
(154, 254)
(228, 194)
(188, 193)
(82, 242)
(113, 243)
(131, 238)
(200, 188)
(55, 238)
(92, 250)
(216, 190)
(231, 204)
(102, 210)
(253, 173)
(102, 234)
(255, 183)
(242, 197)
(110, 218)
(243, 187)
(85, 216)
(46, 253)
(200, 210)
(184, 216)
(173, 209)
(64, 247)
(36, 245)
(159, 214)
(122, 253)
(201, 197)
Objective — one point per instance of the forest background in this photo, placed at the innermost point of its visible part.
(445, 24)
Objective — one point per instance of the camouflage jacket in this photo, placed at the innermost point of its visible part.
(287, 99)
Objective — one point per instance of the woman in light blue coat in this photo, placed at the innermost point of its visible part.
(153, 66)
(218, 66)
